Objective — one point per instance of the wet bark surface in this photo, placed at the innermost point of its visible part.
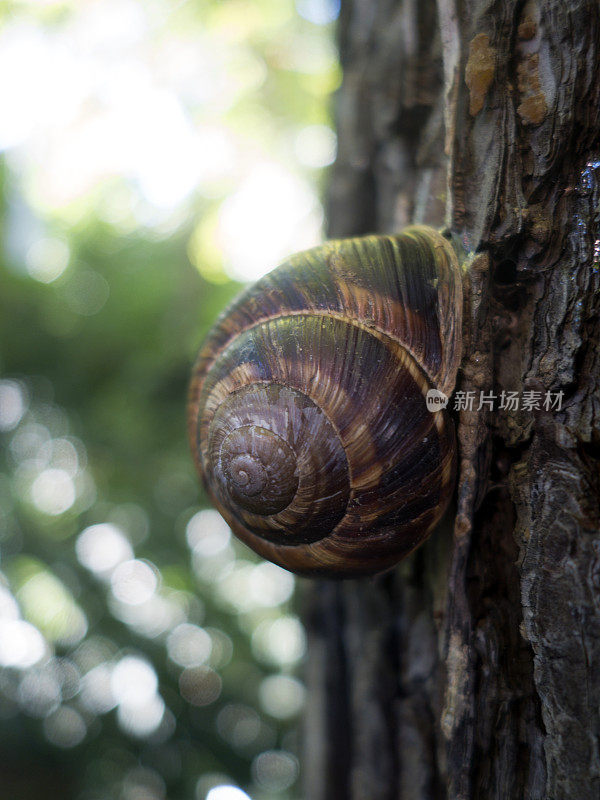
(472, 670)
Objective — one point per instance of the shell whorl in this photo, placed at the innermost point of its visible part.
(307, 412)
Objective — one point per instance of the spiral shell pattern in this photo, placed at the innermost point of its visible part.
(307, 415)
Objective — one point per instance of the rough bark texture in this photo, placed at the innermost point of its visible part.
(473, 669)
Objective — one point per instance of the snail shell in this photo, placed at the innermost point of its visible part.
(307, 415)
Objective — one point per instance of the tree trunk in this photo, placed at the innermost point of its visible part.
(473, 669)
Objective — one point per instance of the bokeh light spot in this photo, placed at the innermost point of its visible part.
(189, 645)
(134, 582)
(21, 644)
(47, 259)
(60, 453)
(281, 641)
(200, 686)
(281, 696)
(270, 585)
(102, 547)
(133, 680)
(142, 783)
(134, 685)
(275, 770)
(39, 692)
(53, 491)
(86, 292)
(12, 404)
(316, 146)
(227, 793)
(65, 727)
(96, 692)
(207, 533)
(28, 440)
(319, 12)
(222, 648)
(141, 719)
(239, 725)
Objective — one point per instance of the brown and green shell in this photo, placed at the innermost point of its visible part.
(307, 414)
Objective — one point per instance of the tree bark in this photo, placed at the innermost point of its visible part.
(473, 669)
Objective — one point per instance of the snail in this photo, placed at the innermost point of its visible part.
(307, 411)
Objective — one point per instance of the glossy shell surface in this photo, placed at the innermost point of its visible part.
(307, 415)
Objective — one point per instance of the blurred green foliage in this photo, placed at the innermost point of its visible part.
(143, 653)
